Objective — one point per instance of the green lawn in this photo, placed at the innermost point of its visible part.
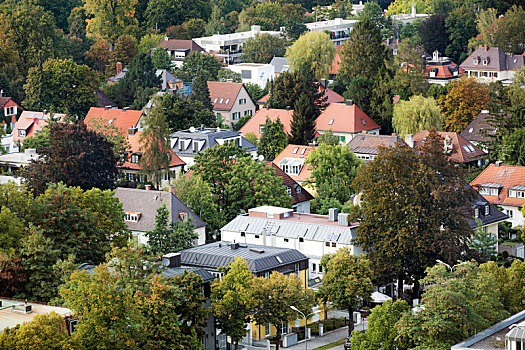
(331, 345)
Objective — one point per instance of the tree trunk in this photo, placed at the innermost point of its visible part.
(350, 321)
(417, 289)
(278, 328)
(400, 287)
(236, 345)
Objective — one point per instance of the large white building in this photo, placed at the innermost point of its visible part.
(339, 29)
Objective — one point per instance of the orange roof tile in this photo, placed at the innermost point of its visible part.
(506, 176)
(443, 72)
(253, 125)
(135, 147)
(331, 95)
(296, 152)
(32, 123)
(463, 151)
(340, 117)
(122, 119)
(289, 182)
(223, 94)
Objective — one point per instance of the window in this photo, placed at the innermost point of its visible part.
(487, 209)
(131, 176)
(303, 150)
(286, 240)
(267, 326)
(246, 74)
(134, 158)
(227, 101)
(301, 239)
(288, 190)
(256, 236)
(220, 101)
(320, 268)
(10, 110)
(334, 244)
(516, 194)
(488, 191)
(509, 213)
(295, 150)
(21, 133)
(184, 217)
(331, 122)
(215, 101)
(476, 61)
(284, 329)
(314, 267)
(476, 212)
(236, 115)
(132, 217)
(327, 244)
(248, 112)
(242, 101)
(363, 121)
(298, 189)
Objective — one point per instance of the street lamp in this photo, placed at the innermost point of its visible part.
(305, 321)
(450, 267)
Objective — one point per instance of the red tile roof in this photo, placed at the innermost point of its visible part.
(340, 117)
(134, 142)
(505, 175)
(463, 151)
(332, 97)
(443, 71)
(253, 125)
(223, 94)
(122, 119)
(296, 152)
(32, 123)
(291, 183)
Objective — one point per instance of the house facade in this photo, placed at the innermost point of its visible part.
(230, 101)
(487, 64)
(300, 196)
(186, 144)
(338, 29)
(292, 161)
(140, 207)
(10, 109)
(503, 185)
(178, 49)
(255, 73)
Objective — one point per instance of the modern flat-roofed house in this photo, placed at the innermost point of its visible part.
(503, 185)
(346, 120)
(255, 73)
(140, 207)
(488, 64)
(30, 123)
(256, 123)
(311, 234)
(186, 144)
(230, 101)
(178, 49)
(366, 146)
(338, 28)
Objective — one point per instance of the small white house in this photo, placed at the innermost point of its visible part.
(256, 73)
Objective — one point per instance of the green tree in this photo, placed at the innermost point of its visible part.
(373, 11)
(227, 74)
(62, 86)
(302, 126)
(160, 59)
(263, 47)
(509, 36)
(270, 15)
(333, 168)
(486, 25)
(381, 332)
(483, 242)
(155, 143)
(110, 132)
(148, 42)
(200, 91)
(214, 25)
(38, 141)
(168, 237)
(12, 231)
(312, 52)
(461, 26)
(273, 139)
(273, 297)
(508, 282)
(433, 33)
(192, 28)
(76, 156)
(255, 91)
(328, 138)
(161, 14)
(288, 87)
(109, 18)
(409, 78)
(346, 282)
(209, 65)
(419, 113)
(124, 50)
(232, 302)
(463, 103)
(98, 55)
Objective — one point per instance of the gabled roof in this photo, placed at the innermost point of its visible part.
(463, 151)
(444, 71)
(32, 123)
(303, 196)
(280, 64)
(331, 96)
(177, 44)
(4, 100)
(341, 117)
(494, 215)
(135, 147)
(295, 152)
(121, 118)
(104, 100)
(369, 143)
(118, 77)
(492, 59)
(166, 78)
(505, 175)
(259, 258)
(146, 202)
(473, 133)
(259, 118)
(223, 94)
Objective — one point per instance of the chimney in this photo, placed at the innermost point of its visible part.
(119, 67)
(332, 214)
(486, 48)
(349, 102)
(166, 38)
(255, 29)
(324, 83)
(499, 162)
(2, 93)
(44, 112)
(234, 246)
(342, 219)
(125, 109)
(147, 187)
(287, 108)
(409, 140)
(414, 10)
(171, 260)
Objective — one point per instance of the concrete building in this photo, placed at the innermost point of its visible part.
(255, 73)
(338, 28)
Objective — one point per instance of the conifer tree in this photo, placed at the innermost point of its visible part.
(303, 122)
(273, 139)
(200, 91)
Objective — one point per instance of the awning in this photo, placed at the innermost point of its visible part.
(379, 298)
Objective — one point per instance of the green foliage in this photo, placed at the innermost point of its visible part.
(148, 42)
(109, 18)
(227, 74)
(287, 88)
(263, 47)
(12, 231)
(200, 91)
(328, 138)
(255, 91)
(508, 35)
(270, 15)
(381, 332)
(461, 27)
(273, 139)
(333, 168)
(124, 49)
(346, 281)
(160, 59)
(419, 113)
(169, 237)
(192, 28)
(509, 282)
(302, 126)
(312, 52)
(37, 141)
(207, 64)
(409, 78)
(433, 33)
(62, 86)
(483, 242)
(76, 156)
(110, 132)
(161, 14)
(232, 302)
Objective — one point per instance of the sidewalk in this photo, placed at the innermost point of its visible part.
(320, 341)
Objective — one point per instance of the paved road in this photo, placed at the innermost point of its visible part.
(329, 338)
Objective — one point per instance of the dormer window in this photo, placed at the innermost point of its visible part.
(135, 158)
(288, 190)
(476, 212)
(517, 192)
(363, 121)
(486, 61)
(21, 133)
(295, 150)
(490, 189)
(331, 122)
(476, 61)
(184, 217)
(487, 209)
(132, 216)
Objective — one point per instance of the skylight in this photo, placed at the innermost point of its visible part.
(221, 100)
(363, 121)
(331, 122)
(295, 150)
(303, 150)
(279, 260)
(227, 101)
(215, 101)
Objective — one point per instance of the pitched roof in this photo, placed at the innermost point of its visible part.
(492, 59)
(369, 143)
(494, 215)
(463, 151)
(473, 132)
(104, 100)
(32, 123)
(177, 44)
(118, 77)
(303, 196)
(259, 258)
(223, 94)
(297, 152)
(340, 117)
(4, 100)
(121, 118)
(331, 96)
(259, 118)
(444, 71)
(146, 202)
(280, 64)
(505, 175)
(135, 147)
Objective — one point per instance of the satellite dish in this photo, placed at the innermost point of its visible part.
(261, 157)
(192, 129)
(165, 262)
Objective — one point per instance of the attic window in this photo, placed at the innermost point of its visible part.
(467, 149)
(243, 234)
(135, 158)
(227, 101)
(485, 61)
(471, 130)
(110, 121)
(476, 61)
(363, 121)
(132, 216)
(303, 150)
(221, 100)
(476, 212)
(487, 209)
(183, 216)
(279, 259)
(21, 133)
(295, 150)
(331, 122)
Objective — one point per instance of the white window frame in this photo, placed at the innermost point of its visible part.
(236, 115)
(21, 133)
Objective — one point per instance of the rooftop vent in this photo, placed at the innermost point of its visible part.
(349, 102)
(235, 246)
(257, 250)
(332, 214)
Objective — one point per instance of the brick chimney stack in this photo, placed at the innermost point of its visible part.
(119, 67)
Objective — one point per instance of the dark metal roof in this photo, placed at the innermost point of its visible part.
(197, 141)
(259, 258)
(494, 214)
